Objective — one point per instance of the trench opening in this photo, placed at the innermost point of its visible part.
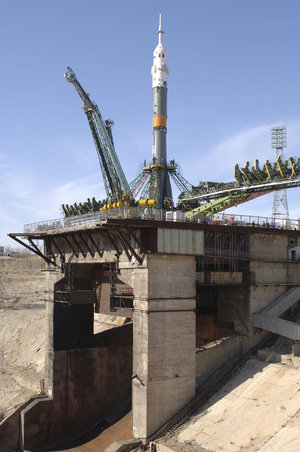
(92, 341)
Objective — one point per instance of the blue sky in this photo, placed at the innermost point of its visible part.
(234, 72)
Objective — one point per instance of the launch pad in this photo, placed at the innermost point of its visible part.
(184, 284)
(186, 276)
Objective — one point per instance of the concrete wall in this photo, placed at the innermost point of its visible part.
(273, 247)
(209, 329)
(279, 273)
(294, 273)
(233, 306)
(87, 383)
(270, 272)
(220, 277)
(211, 356)
(262, 295)
(180, 241)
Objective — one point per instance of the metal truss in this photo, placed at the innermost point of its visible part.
(83, 243)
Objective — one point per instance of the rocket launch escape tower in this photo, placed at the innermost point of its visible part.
(152, 186)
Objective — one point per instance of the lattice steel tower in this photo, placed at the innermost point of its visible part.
(280, 205)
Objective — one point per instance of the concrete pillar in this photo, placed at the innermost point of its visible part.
(52, 278)
(296, 348)
(163, 340)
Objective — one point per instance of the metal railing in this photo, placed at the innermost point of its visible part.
(153, 214)
(88, 219)
(255, 221)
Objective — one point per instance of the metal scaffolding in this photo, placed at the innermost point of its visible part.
(225, 252)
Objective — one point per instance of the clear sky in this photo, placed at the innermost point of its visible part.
(234, 72)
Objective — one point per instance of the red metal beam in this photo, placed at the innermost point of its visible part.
(138, 258)
(112, 241)
(79, 246)
(71, 245)
(94, 243)
(86, 244)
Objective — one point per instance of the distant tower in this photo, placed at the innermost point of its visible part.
(280, 204)
(159, 187)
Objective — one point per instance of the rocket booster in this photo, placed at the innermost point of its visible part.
(160, 74)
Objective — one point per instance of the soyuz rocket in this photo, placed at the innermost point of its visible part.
(160, 74)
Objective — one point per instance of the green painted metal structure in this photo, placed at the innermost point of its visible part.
(250, 183)
(115, 181)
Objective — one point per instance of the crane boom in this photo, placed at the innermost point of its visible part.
(115, 182)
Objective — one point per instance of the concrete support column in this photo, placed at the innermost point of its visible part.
(296, 348)
(52, 278)
(163, 340)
